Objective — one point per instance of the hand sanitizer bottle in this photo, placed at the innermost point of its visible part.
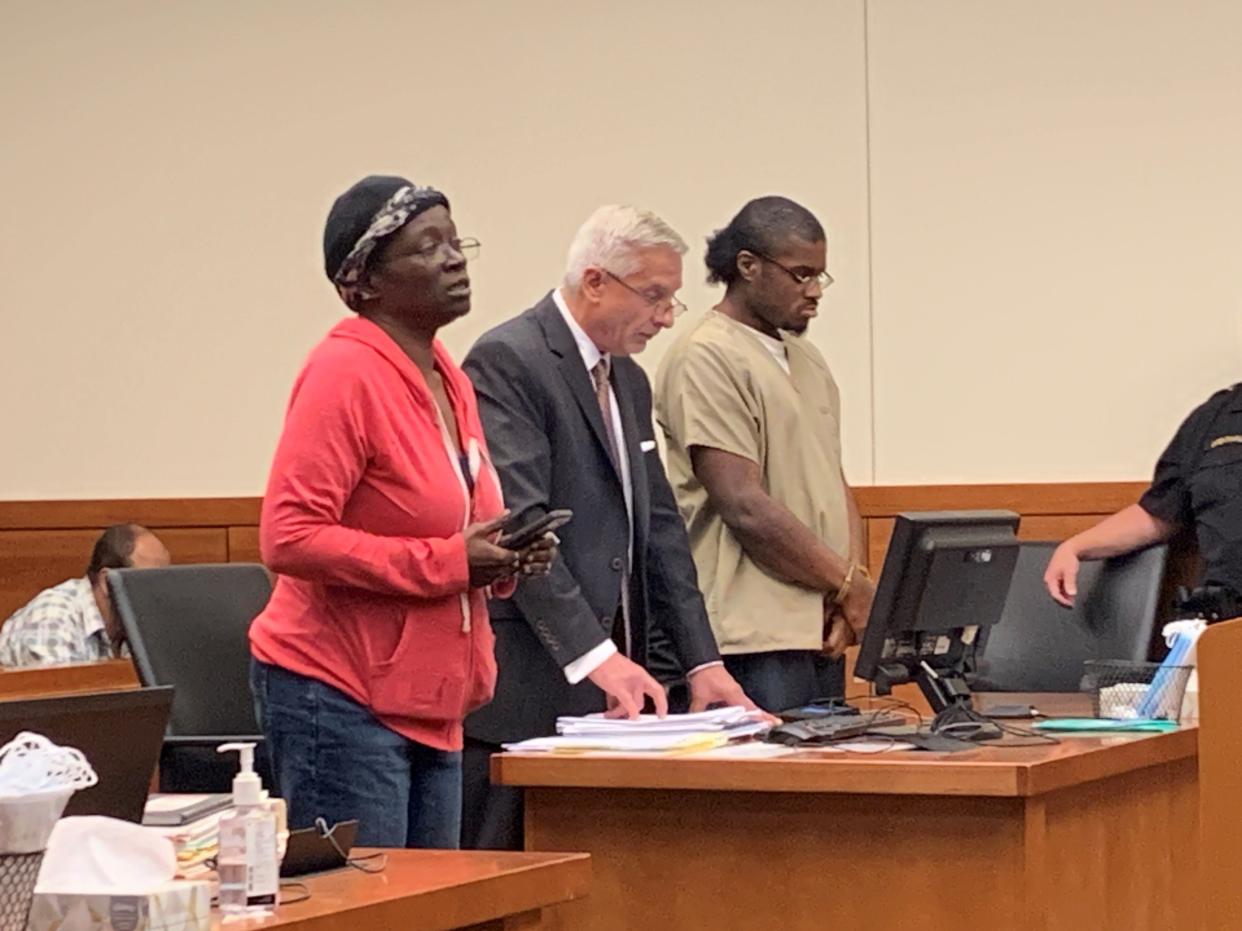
(247, 864)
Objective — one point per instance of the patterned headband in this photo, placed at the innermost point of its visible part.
(407, 203)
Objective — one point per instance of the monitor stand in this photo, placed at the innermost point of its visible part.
(943, 690)
(949, 697)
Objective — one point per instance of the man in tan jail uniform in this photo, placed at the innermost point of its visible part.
(751, 414)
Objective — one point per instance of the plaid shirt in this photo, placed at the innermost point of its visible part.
(60, 625)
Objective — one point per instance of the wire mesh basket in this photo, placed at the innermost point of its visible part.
(1124, 690)
(18, 872)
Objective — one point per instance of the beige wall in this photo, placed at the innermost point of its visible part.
(1056, 214)
(1029, 206)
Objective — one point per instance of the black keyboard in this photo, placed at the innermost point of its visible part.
(833, 728)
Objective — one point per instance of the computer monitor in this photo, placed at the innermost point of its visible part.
(945, 577)
(120, 734)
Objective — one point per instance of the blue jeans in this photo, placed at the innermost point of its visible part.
(785, 679)
(332, 759)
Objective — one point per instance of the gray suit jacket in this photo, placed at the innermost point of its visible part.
(546, 435)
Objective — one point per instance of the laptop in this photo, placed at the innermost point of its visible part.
(120, 734)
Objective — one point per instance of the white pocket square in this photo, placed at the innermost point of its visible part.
(647, 445)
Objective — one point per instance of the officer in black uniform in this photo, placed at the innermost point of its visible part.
(1198, 484)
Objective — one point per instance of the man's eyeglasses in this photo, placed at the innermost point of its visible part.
(660, 304)
(803, 280)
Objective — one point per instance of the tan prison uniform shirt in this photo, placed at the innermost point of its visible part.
(719, 387)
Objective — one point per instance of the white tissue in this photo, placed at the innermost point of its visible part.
(1120, 702)
(32, 763)
(104, 856)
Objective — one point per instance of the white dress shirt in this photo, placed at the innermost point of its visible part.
(591, 660)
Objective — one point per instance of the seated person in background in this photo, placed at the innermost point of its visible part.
(1198, 484)
(73, 622)
(751, 413)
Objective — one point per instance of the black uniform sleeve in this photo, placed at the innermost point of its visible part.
(1168, 498)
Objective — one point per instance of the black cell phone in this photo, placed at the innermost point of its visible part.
(525, 536)
(1011, 711)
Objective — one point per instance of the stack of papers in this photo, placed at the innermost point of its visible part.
(196, 845)
(676, 733)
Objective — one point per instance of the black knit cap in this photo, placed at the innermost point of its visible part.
(353, 211)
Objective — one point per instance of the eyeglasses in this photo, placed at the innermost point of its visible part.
(468, 248)
(659, 304)
(823, 278)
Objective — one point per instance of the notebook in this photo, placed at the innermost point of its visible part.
(175, 809)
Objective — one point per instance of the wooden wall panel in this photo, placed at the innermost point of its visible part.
(879, 534)
(150, 512)
(35, 559)
(1055, 498)
(244, 544)
(44, 542)
(42, 681)
(195, 544)
(32, 560)
(1034, 527)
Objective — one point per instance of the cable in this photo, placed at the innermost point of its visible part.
(305, 890)
(362, 864)
(1033, 738)
(877, 706)
(889, 703)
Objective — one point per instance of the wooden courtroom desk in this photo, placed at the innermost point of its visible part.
(1220, 773)
(434, 890)
(1094, 833)
(44, 681)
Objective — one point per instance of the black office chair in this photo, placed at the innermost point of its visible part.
(188, 627)
(1040, 646)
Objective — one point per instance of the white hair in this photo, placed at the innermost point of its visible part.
(613, 236)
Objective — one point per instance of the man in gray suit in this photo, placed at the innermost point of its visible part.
(568, 420)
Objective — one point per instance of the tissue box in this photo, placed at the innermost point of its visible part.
(177, 906)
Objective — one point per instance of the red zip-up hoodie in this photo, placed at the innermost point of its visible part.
(363, 521)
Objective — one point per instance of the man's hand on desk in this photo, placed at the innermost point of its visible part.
(712, 685)
(627, 685)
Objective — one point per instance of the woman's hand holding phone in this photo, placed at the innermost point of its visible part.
(536, 542)
(489, 562)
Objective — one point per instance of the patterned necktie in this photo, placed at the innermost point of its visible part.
(600, 376)
(621, 627)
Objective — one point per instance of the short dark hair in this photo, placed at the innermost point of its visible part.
(761, 226)
(114, 549)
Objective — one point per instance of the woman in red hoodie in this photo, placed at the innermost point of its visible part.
(379, 518)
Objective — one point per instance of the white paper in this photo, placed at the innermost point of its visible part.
(635, 743)
(105, 856)
(718, 719)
